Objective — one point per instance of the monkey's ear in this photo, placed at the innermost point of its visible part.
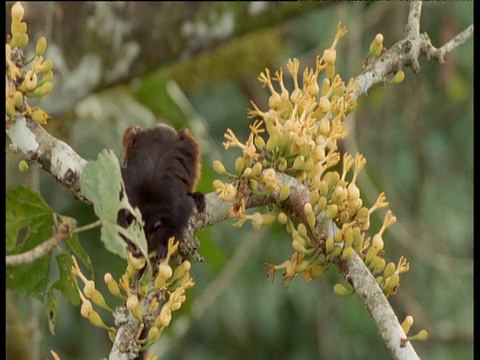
(184, 133)
(129, 137)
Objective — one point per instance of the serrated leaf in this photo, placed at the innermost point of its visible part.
(102, 183)
(26, 209)
(113, 242)
(74, 246)
(30, 216)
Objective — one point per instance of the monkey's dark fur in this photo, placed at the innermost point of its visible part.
(160, 171)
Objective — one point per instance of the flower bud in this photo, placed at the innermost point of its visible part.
(330, 55)
(23, 166)
(282, 218)
(309, 164)
(41, 46)
(18, 11)
(322, 203)
(45, 68)
(347, 253)
(112, 285)
(165, 270)
(219, 168)
(30, 81)
(389, 269)
(330, 71)
(239, 164)
(371, 253)
(284, 192)
(324, 104)
(298, 244)
(96, 320)
(422, 336)
(259, 143)
(391, 283)
(268, 219)
(181, 271)
(274, 101)
(282, 164)
(137, 263)
(153, 334)
(311, 219)
(378, 242)
(10, 106)
(307, 274)
(330, 244)
(44, 89)
(272, 143)
(398, 77)
(318, 268)
(165, 316)
(18, 99)
(302, 266)
(314, 197)
(99, 300)
(132, 302)
(16, 40)
(341, 290)
(217, 184)
(256, 169)
(284, 141)
(325, 86)
(331, 212)
(353, 191)
(407, 324)
(86, 308)
(324, 126)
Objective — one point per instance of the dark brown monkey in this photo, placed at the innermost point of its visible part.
(160, 171)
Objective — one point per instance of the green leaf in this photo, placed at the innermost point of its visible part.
(29, 222)
(102, 183)
(50, 307)
(74, 246)
(26, 214)
(66, 284)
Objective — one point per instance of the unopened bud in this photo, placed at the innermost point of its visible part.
(41, 46)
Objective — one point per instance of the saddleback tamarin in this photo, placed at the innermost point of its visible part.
(160, 171)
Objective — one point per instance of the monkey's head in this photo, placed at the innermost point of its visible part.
(136, 139)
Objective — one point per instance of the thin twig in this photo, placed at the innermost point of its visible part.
(406, 53)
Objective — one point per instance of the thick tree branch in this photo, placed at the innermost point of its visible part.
(54, 156)
(367, 289)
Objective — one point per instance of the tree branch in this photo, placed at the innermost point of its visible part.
(354, 270)
(367, 289)
(406, 52)
(54, 156)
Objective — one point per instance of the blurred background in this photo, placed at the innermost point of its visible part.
(196, 64)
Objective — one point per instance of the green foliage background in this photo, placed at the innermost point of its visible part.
(418, 140)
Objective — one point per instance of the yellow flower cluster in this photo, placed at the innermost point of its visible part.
(302, 128)
(166, 281)
(19, 82)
